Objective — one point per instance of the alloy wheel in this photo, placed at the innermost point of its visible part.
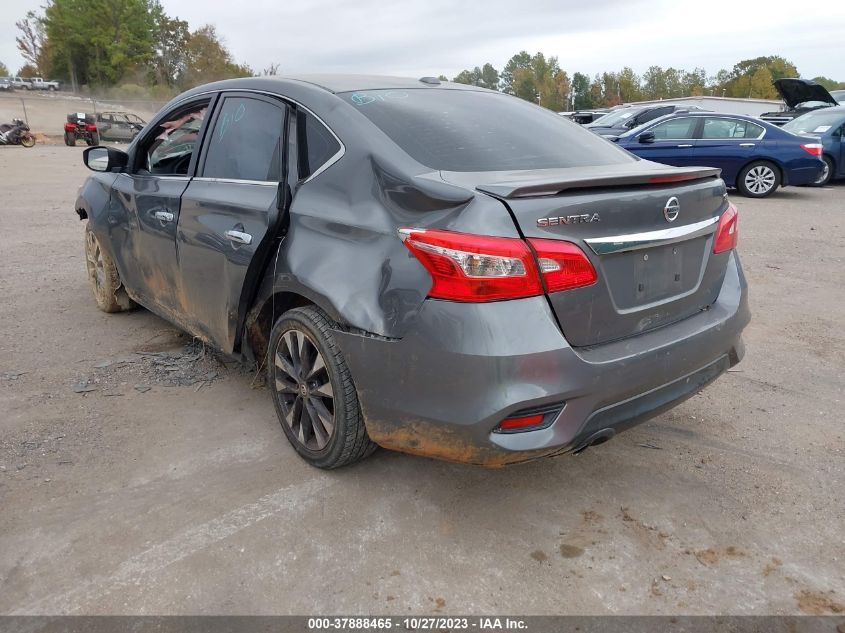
(94, 260)
(760, 179)
(304, 389)
(824, 175)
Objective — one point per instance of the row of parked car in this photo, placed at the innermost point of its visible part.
(801, 145)
(28, 83)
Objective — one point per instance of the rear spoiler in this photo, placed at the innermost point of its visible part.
(549, 182)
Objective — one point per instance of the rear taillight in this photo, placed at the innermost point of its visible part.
(564, 266)
(727, 233)
(70, 127)
(813, 148)
(91, 127)
(467, 267)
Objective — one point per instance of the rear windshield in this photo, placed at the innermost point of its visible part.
(815, 122)
(463, 130)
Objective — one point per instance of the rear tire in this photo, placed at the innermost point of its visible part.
(95, 139)
(826, 175)
(109, 292)
(313, 393)
(758, 179)
(70, 139)
(28, 140)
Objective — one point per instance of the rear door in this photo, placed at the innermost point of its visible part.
(230, 211)
(727, 143)
(673, 144)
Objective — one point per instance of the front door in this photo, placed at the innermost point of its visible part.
(230, 211)
(149, 197)
(673, 144)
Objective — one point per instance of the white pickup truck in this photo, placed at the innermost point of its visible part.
(37, 83)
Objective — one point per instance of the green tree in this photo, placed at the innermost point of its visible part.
(170, 44)
(581, 98)
(829, 84)
(467, 77)
(741, 82)
(98, 44)
(4, 71)
(629, 85)
(207, 59)
(654, 83)
(520, 61)
(489, 77)
(443, 78)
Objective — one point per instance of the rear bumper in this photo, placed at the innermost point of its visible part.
(442, 390)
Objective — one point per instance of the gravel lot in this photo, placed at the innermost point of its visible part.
(141, 475)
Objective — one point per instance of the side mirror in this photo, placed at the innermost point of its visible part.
(101, 158)
(646, 137)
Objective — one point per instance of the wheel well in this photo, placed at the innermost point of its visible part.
(260, 322)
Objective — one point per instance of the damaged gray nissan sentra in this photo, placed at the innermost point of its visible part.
(429, 267)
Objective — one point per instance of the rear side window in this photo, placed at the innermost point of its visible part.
(675, 129)
(719, 128)
(246, 142)
(465, 130)
(317, 145)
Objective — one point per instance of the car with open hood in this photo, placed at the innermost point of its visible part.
(800, 96)
(420, 265)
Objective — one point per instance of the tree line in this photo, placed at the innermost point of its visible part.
(130, 42)
(542, 80)
(135, 44)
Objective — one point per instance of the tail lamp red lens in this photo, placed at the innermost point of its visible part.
(70, 127)
(477, 268)
(467, 267)
(91, 127)
(521, 423)
(563, 264)
(728, 232)
(813, 148)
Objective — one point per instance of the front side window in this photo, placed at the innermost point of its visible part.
(246, 142)
(170, 151)
(683, 128)
(719, 128)
(467, 130)
(650, 115)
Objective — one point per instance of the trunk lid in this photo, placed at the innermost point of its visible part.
(652, 271)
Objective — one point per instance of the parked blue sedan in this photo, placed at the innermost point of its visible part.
(829, 125)
(755, 157)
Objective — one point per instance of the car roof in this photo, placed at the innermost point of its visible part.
(335, 83)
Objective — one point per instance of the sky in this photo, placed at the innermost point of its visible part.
(432, 37)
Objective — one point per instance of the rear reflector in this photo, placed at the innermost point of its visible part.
(563, 265)
(522, 423)
(813, 148)
(727, 234)
(474, 268)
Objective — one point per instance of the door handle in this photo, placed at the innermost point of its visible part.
(163, 216)
(238, 236)
(686, 145)
(746, 144)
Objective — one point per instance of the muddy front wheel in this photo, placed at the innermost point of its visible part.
(28, 140)
(109, 293)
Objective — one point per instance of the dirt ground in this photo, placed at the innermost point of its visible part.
(141, 475)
